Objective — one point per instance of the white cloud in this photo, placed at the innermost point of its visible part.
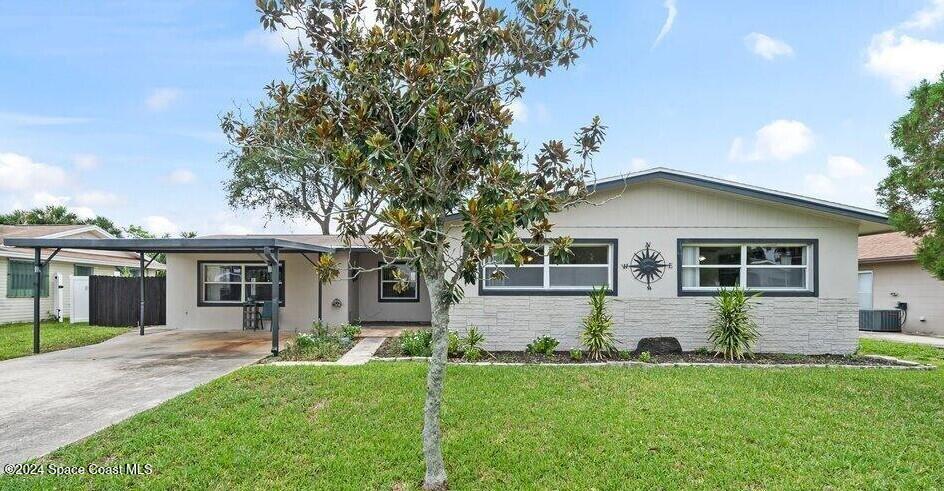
(159, 225)
(181, 176)
(98, 198)
(671, 12)
(819, 185)
(161, 98)
(20, 173)
(842, 167)
(782, 139)
(282, 40)
(519, 111)
(86, 161)
(904, 60)
(927, 17)
(767, 47)
(234, 229)
(43, 199)
(21, 119)
(638, 164)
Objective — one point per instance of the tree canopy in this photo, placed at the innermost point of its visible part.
(913, 192)
(406, 104)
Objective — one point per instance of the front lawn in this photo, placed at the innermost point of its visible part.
(907, 351)
(17, 339)
(533, 427)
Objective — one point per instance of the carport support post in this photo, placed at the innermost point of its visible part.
(37, 284)
(141, 275)
(274, 273)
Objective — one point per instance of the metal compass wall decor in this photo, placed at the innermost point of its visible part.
(648, 266)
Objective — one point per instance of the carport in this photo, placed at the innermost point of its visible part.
(268, 248)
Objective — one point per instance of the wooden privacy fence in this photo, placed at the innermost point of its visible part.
(116, 301)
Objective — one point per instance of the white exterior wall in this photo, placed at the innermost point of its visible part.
(21, 309)
(906, 281)
(661, 213)
(301, 295)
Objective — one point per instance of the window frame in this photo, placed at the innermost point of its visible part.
(200, 283)
(76, 266)
(812, 266)
(43, 287)
(546, 289)
(380, 282)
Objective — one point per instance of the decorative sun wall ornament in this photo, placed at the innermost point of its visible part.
(648, 266)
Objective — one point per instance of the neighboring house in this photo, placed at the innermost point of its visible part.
(890, 275)
(16, 266)
(798, 252)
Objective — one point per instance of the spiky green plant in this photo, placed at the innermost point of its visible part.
(597, 335)
(733, 330)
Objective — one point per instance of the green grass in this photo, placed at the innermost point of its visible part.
(532, 427)
(906, 351)
(17, 339)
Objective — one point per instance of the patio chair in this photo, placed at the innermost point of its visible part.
(265, 315)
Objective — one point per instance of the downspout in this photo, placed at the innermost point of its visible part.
(319, 293)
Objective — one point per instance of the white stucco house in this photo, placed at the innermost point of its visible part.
(16, 267)
(696, 232)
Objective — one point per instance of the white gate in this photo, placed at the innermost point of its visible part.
(80, 299)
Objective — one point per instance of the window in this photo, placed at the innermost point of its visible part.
(21, 280)
(590, 266)
(387, 289)
(237, 283)
(767, 266)
(80, 270)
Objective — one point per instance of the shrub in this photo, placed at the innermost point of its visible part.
(597, 335)
(473, 339)
(350, 331)
(417, 343)
(702, 351)
(543, 345)
(454, 347)
(733, 330)
(625, 354)
(323, 343)
(472, 354)
(645, 357)
(576, 354)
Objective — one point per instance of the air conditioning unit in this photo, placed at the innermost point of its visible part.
(880, 320)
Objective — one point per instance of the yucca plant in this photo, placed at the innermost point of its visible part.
(733, 330)
(597, 335)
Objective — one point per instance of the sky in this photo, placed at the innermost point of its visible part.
(112, 108)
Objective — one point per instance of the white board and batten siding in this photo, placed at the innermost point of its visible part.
(21, 309)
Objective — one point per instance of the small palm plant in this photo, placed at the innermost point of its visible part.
(733, 330)
(597, 335)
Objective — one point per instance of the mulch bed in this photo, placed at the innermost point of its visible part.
(391, 349)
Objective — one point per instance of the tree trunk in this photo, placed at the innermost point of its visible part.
(432, 434)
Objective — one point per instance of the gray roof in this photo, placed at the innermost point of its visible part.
(220, 244)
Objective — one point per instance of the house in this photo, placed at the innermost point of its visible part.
(890, 277)
(660, 241)
(16, 265)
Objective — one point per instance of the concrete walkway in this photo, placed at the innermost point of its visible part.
(903, 338)
(361, 352)
(52, 399)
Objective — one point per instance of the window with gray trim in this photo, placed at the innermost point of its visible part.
(388, 291)
(757, 265)
(234, 283)
(592, 265)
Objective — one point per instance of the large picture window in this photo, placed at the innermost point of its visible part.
(388, 283)
(784, 267)
(234, 283)
(592, 265)
(21, 279)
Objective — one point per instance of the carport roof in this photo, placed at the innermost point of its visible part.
(218, 244)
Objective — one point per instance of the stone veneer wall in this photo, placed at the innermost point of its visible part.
(787, 325)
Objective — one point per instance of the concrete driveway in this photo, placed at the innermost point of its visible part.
(52, 399)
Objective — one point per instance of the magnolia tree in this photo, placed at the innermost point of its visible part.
(913, 192)
(406, 104)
